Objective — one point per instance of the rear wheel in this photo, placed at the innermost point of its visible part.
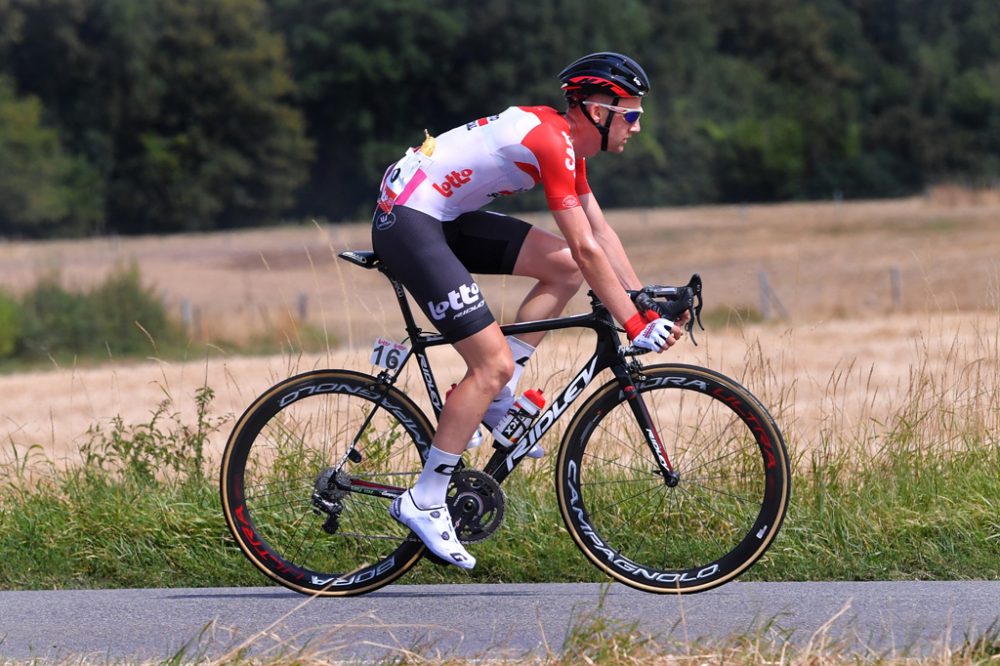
(307, 511)
(649, 532)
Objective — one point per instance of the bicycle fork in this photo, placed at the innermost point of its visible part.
(627, 379)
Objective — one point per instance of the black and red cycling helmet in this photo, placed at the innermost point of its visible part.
(604, 72)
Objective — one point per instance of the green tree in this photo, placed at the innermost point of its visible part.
(927, 114)
(211, 142)
(120, 316)
(372, 76)
(55, 321)
(11, 22)
(42, 189)
(191, 115)
(180, 106)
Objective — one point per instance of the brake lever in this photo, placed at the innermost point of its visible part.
(680, 300)
(698, 303)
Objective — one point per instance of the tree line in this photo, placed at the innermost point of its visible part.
(154, 116)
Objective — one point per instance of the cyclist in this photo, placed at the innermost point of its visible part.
(429, 230)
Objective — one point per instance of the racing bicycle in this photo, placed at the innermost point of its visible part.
(670, 478)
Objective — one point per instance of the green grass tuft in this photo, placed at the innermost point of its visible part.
(915, 496)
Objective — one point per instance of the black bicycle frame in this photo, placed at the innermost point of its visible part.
(608, 354)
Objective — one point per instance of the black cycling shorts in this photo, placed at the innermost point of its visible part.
(434, 259)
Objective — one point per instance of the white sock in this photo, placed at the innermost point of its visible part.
(431, 487)
(521, 351)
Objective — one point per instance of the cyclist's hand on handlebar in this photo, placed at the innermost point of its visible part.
(655, 335)
(679, 325)
(676, 332)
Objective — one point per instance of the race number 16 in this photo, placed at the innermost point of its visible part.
(388, 354)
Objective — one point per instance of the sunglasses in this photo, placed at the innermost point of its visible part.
(631, 116)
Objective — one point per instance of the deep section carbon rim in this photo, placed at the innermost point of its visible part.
(291, 443)
(721, 516)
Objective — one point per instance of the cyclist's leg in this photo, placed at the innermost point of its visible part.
(419, 251)
(423, 509)
(546, 257)
(489, 366)
(415, 250)
(492, 243)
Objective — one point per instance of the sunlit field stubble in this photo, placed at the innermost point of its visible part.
(875, 308)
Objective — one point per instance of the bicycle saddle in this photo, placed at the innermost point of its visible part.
(363, 258)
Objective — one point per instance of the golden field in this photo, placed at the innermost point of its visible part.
(852, 349)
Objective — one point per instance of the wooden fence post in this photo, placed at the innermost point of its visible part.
(303, 306)
(769, 297)
(896, 287)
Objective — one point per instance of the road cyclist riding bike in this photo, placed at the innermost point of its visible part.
(670, 478)
(429, 231)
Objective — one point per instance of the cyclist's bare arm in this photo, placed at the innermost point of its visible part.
(608, 239)
(594, 262)
(601, 258)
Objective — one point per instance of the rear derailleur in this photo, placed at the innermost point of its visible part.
(327, 498)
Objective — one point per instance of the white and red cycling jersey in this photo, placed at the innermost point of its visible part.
(494, 156)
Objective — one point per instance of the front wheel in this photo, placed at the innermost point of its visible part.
(692, 532)
(307, 476)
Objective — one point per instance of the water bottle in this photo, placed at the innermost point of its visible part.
(519, 418)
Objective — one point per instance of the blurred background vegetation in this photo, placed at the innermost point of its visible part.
(156, 116)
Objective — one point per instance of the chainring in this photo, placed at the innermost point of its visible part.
(476, 504)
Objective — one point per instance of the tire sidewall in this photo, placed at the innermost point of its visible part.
(572, 504)
(238, 518)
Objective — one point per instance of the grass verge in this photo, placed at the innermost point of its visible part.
(144, 512)
(915, 496)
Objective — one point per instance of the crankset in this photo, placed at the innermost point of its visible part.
(476, 504)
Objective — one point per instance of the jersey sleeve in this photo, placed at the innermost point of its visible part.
(557, 165)
(582, 186)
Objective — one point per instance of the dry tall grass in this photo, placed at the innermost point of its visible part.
(842, 359)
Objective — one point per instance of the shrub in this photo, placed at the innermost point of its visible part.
(10, 325)
(55, 321)
(126, 314)
(120, 317)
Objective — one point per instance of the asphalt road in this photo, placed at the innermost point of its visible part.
(892, 618)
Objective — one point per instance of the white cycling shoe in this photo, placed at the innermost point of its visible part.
(434, 528)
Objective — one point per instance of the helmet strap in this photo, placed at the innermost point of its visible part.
(607, 124)
(606, 127)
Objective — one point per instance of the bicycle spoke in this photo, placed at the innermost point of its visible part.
(304, 535)
(724, 493)
(627, 443)
(608, 507)
(708, 509)
(721, 458)
(644, 535)
(650, 473)
(321, 528)
(681, 534)
(618, 464)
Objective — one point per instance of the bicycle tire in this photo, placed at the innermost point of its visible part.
(715, 523)
(294, 432)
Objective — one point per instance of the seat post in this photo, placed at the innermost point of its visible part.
(404, 304)
(369, 259)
